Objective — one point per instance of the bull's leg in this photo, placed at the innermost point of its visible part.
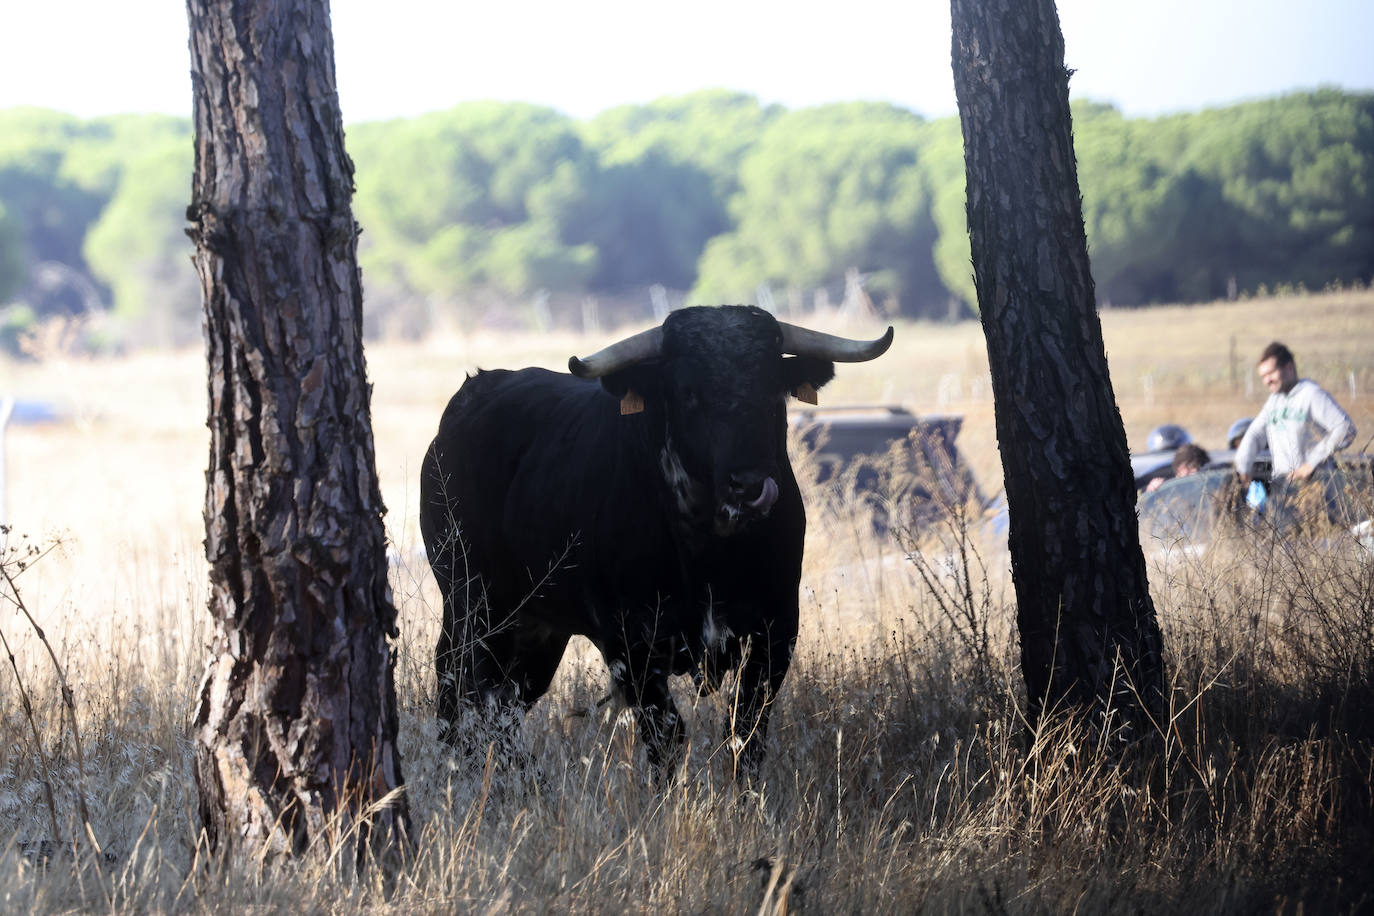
(535, 664)
(766, 659)
(642, 679)
(463, 663)
(494, 671)
(476, 690)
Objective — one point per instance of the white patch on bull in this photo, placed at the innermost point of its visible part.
(676, 476)
(714, 635)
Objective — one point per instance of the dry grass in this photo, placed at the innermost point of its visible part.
(899, 781)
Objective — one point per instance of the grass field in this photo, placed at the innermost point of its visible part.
(898, 782)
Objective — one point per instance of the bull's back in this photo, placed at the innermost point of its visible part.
(490, 428)
(527, 470)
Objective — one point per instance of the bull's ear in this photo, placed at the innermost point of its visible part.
(633, 386)
(802, 376)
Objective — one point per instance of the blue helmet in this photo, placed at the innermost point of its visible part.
(1237, 430)
(1163, 438)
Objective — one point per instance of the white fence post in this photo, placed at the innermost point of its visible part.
(6, 410)
(764, 296)
(950, 390)
(658, 298)
(591, 317)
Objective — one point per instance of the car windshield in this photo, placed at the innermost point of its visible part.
(1184, 508)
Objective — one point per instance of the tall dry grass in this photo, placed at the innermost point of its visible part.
(899, 779)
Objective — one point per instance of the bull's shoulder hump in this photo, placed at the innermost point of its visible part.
(529, 386)
(491, 381)
(520, 394)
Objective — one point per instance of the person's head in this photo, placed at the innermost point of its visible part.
(1277, 369)
(1189, 459)
(1237, 432)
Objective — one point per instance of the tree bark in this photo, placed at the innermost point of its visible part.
(1089, 638)
(295, 734)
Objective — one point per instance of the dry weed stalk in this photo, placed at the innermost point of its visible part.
(13, 562)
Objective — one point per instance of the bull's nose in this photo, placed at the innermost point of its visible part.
(746, 486)
(757, 491)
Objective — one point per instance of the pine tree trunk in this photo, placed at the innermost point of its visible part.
(295, 735)
(1089, 638)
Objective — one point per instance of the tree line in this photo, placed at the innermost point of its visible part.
(511, 210)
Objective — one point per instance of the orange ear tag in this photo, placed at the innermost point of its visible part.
(631, 403)
(806, 393)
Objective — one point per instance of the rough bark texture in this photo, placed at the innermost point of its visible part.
(295, 735)
(1089, 638)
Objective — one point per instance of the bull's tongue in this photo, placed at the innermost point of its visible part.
(766, 497)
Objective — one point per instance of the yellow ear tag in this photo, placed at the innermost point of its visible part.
(631, 403)
(806, 393)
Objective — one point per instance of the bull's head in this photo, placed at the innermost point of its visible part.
(717, 380)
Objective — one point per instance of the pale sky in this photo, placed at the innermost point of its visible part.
(405, 57)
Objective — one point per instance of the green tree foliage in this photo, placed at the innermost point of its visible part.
(57, 175)
(12, 272)
(1190, 207)
(824, 190)
(139, 247)
(49, 211)
(668, 171)
(713, 129)
(488, 203)
(1139, 205)
(1299, 173)
(666, 209)
(482, 196)
(942, 158)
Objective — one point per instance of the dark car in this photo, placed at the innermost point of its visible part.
(1147, 466)
(1190, 511)
(1156, 462)
(906, 468)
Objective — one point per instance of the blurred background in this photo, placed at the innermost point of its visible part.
(541, 170)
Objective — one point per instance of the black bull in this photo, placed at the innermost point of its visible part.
(655, 513)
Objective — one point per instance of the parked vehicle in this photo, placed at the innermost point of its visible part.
(1157, 459)
(905, 468)
(1189, 512)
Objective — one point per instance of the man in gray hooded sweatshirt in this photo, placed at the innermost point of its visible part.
(1301, 423)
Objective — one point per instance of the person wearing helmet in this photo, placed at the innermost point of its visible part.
(1237, 430)
(1168, 436)
(1301, 423)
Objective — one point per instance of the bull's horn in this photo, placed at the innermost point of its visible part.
(801, 341)
(619, 355)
